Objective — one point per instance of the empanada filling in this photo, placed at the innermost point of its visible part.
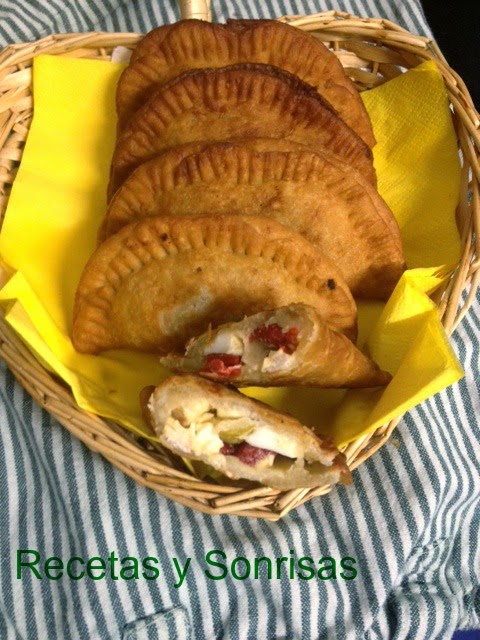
(222, 364)
(248, 454)
(205, 432)
(267, 348)
(274, 338)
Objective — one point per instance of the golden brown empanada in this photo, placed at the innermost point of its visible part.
(288, 346)
(313, 193)
(137, 199)
(241, 101)
(161, 281)
(191, 44)
(240, 437)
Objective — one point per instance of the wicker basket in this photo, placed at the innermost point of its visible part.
(372, 51)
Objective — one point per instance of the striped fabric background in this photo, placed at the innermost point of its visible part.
(411, 520)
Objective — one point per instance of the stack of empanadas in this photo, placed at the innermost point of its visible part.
(316, 194)
(242, 221)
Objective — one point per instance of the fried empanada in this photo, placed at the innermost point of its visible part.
(241, 101)
(191, 44)
(139, 201)
(161, 281)
(314, 194)
(288, 346)
(240, 437)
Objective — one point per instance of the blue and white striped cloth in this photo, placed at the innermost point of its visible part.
(411, 520)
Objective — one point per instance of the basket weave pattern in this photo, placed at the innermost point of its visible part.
(372, 52)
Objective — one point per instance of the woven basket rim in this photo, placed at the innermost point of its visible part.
(377, 44)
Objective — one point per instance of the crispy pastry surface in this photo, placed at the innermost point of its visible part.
(321, 463)
(159, 282)
(239, 101)
(172, 49)
(323, 357)
(313, 193)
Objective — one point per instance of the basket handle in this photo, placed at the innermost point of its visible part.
(199, 9)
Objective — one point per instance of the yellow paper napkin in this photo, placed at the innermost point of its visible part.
(58, 200)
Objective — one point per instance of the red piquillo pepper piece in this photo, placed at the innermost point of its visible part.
(274, 338)
(222, 364)
(246, 453)
(227, 449)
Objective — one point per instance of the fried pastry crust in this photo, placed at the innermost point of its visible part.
(240, 101)
(170, 50)
(161, 281)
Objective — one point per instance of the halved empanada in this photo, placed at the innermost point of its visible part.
(235, 102)
(288, 346)
(240, 437)
(191, 44)
(313, 193)
(161, 281)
